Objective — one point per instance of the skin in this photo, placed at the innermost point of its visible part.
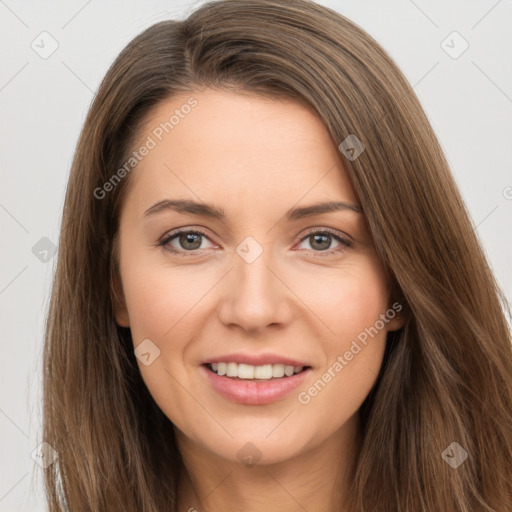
(255, 158)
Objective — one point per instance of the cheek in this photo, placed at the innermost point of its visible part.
(351, 306)
(348, 300)
(163, 307)
(159, 298)
(149, 303)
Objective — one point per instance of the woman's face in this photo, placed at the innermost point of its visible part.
(266, 277)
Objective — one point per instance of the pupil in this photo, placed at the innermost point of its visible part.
(189, 238)
(324, 239)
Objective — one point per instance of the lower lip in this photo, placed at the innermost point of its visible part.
(251, 392)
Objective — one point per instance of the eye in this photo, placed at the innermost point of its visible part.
(321, 240)
(188, 241)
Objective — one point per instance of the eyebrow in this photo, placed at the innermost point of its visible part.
(188, 206)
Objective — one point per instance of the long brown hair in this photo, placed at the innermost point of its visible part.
(447, 374)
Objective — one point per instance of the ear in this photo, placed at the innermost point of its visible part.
(397, 316)
(119, 303)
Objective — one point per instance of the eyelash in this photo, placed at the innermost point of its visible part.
(345, 244)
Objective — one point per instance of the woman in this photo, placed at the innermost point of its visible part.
(256, 369)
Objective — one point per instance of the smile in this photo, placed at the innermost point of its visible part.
(254, 385)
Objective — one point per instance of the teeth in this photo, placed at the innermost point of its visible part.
(231, 370)
(247, 371)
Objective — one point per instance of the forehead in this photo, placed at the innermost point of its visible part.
(236, 148)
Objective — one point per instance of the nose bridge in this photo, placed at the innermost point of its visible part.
(254, 298)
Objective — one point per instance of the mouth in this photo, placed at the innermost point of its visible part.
(262, 373)
(234, 382)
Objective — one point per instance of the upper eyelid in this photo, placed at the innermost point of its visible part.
(331, 231)
(334, 232)
(173, 233)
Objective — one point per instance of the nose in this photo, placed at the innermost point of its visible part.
(254, 295)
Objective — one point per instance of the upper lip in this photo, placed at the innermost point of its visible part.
(256, 359)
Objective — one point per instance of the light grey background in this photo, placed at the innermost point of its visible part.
(43, 104)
